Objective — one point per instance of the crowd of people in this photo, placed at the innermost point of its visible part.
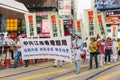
(104, 51)
(13, 48)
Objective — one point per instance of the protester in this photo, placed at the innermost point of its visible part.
(93, 52)
(78, 48)
(118, 51)
(9, 42)
(1, 45)
(86, 49)
(101, 49)
(18, 52)
(108, 50)
(114, 51)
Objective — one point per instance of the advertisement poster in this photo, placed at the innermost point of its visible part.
(45, 26)
(101, 24)
(31, 28)
(107, 4)
(64, 8)
(51, 48)
(54, 29)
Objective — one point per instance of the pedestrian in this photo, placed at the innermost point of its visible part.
(118, 51)
(114, 50)
(86, 49)
(18, 52)
(77, 46)
(101, 48)
(9, 42)
(108, 50)
(1, 45)
(93, 52)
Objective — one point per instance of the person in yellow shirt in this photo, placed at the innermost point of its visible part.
(93, 52)
(118, 48)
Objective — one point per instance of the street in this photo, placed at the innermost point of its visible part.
(46, 71)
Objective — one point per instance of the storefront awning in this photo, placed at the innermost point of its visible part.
(13, 5)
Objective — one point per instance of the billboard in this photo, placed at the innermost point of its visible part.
(107, 4)
(64, 8)
(45, 26)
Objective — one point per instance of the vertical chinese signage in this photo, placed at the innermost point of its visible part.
(114, 31)
(91, 23)
(101, 24)
(79, 27)
(90, 16)
(54, 29)
(61, 28)
(31, 25)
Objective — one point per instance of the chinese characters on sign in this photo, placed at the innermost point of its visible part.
(61, 29)
(54, 29)
(91, 23)
(31, 25)
(47, 48)
(100, 23)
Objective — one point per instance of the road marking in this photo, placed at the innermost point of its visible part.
(51, 67)
(48, 73)
(84, 73)
(108, 76)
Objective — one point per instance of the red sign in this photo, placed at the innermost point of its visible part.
(53, 17)
(90, 15)
(99, 18)
(78, 24)
(30, 18)
(114, 28)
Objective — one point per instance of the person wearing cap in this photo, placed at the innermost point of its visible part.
(108, 50)
(77, 46)
(93, 52)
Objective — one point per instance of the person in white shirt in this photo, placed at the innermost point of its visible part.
(18, 52)
(114, 50)
(9, 43)
(78, 50)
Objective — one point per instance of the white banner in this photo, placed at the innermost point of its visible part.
(55, 48)
(31, 28)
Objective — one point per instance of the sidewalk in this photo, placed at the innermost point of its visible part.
(21, 69)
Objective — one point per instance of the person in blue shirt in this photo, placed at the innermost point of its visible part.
(1, 44)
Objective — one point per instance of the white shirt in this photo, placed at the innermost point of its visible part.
(77, 52)
(9, 41)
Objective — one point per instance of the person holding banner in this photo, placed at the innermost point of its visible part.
(77, 46)
(18, 52)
